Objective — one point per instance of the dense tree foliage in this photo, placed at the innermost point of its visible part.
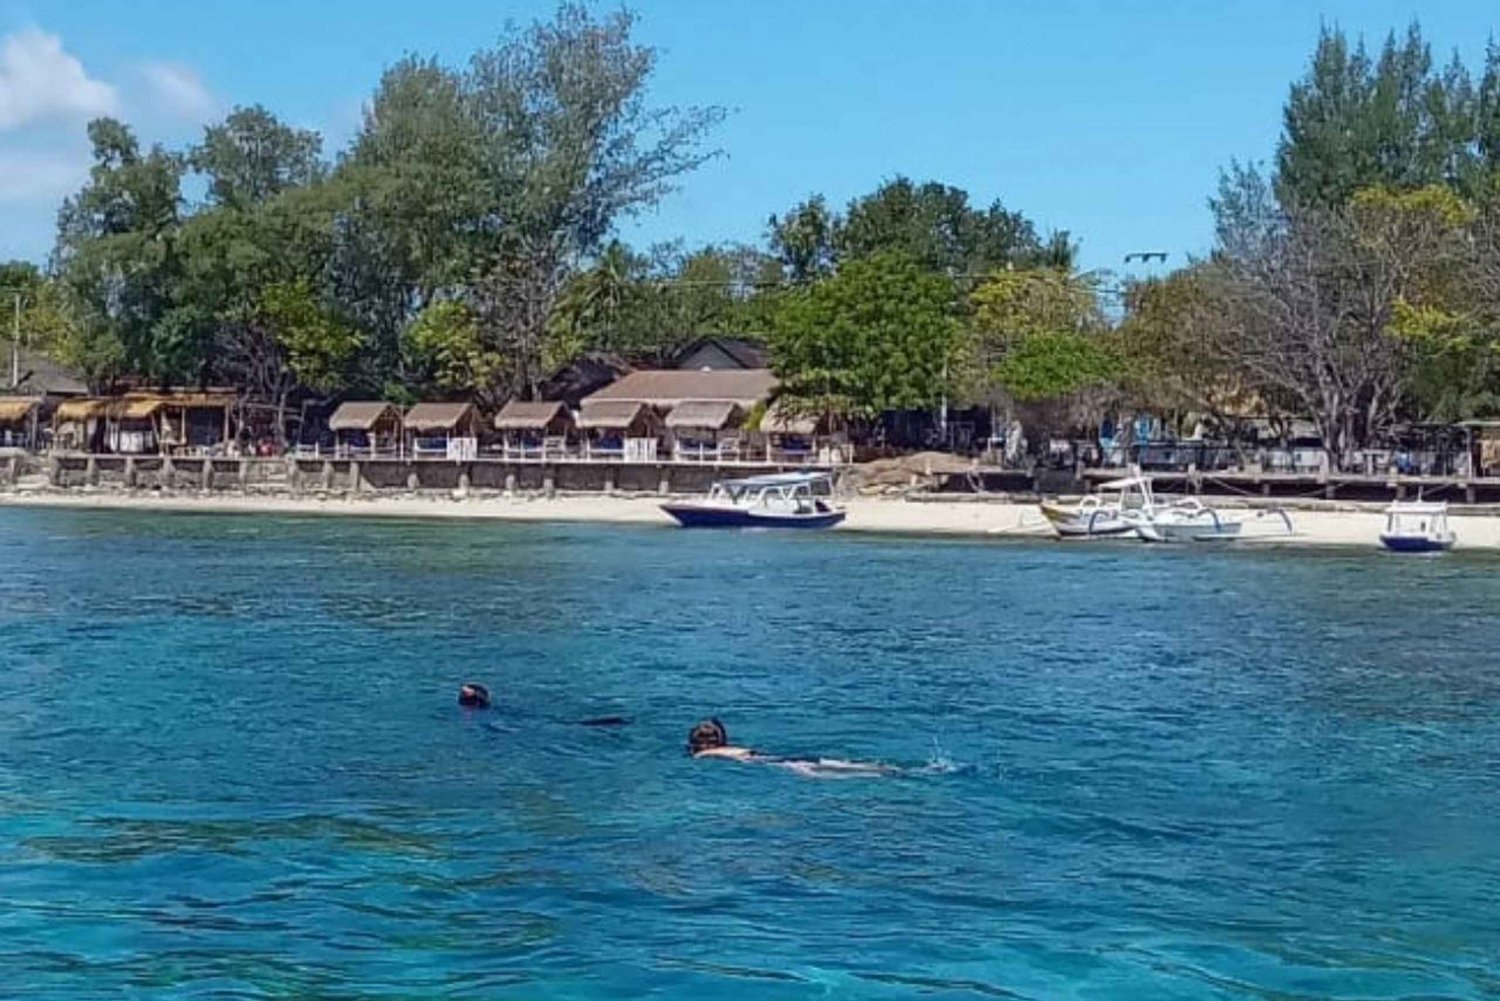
(475, 193)
(464, 245)
(879, 335)
(1356, 122)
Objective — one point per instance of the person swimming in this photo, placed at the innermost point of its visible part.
(710, 739)
(473, 695)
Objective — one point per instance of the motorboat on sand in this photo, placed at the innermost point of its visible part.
(780, 500)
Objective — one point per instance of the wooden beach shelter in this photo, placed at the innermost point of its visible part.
(130, 425)
(450, 430)
(366, 427)
(705, 430)
(534, 430)
(19, 416)
(193, 423)
(78, 424)
(791, 434)
(619, 429)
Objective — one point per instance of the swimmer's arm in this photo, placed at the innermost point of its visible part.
(732, 753)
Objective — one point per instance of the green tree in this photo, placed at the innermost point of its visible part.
(116, 260)
(879, 335)
(251, 157)
(1354, 122)
(447, 352)
(568, 146)
(805, 239)
(1038, 341)
(935, 225)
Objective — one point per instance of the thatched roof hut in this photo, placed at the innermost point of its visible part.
(706, 415)
(452, 419)
(369, 416)
(544, 417)
(627, 416)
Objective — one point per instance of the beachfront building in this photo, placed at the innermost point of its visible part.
(795, 436)
(130, 426)
(366, 427)
(706, 430)
(711, 406)
(78, 425)
(534, 430)
(191, 423)
(19, 420)
(145, 424)
(447, 430)
(722, 354)
(623, 430)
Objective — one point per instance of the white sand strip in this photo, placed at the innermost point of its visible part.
(988, 519)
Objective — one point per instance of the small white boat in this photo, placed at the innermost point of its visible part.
(1417, 527)
(1188, 520)
(782, 500)
(1113, 512)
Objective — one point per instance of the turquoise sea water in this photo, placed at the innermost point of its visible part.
(231, 766)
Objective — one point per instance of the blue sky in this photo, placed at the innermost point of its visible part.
(1108, 119)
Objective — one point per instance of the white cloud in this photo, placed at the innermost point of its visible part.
(39, 177)
(179, 91)
(40, 81)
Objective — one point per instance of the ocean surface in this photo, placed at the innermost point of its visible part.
(231, 765)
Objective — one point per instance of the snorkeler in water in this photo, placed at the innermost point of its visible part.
(473, 695)
(710, 739)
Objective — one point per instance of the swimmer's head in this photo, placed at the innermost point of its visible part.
(706, 736)
(473, 695)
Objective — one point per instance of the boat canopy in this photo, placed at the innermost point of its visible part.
(779, 480)
(1126, 483)
(1418, 507)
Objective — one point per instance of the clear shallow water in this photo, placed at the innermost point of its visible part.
(230, 765)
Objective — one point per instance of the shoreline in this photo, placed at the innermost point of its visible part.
(961, 517)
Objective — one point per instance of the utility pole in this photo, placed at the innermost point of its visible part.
(15, 347)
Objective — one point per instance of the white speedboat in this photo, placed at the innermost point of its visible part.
(1417, 527)
(783, 500)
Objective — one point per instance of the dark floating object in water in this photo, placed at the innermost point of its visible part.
(605, 721)
(473, 695)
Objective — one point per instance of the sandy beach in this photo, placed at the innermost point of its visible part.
(1340, 525)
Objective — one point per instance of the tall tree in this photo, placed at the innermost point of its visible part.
(116, 259)
(1038, 340)
(1355, 122)
(805, 240)
(252, 157)
(415, 201)
(935, 225)
(569, 145)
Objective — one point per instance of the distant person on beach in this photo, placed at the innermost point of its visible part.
(710, 739)
(473, 695)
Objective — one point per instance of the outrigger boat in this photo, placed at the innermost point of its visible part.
(1135, 509)
(782, 500)
(1112, 513)
(1417, 527)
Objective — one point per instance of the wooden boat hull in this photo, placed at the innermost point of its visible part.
(1100, 523)
(712, 516)
(1415, 543)
(1197, 530)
